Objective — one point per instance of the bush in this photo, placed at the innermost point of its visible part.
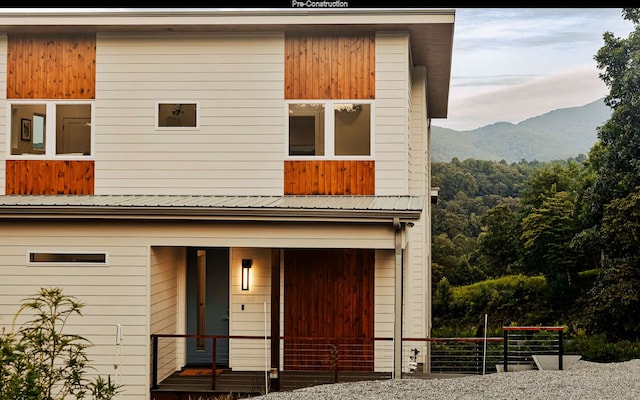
(39, 362)
(597, 348)
(512, 299)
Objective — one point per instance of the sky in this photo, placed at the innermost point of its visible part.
(511, 64)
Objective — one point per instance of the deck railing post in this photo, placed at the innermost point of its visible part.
(560, 350)
(154, 366)
(336, 361)
(505, 352)
(214, 343)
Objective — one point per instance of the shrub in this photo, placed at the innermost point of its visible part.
(597, 348)
(40, 362)
(507, 300)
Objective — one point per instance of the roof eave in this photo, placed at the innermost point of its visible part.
(208, 214)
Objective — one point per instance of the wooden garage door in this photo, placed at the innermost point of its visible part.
(328, 294)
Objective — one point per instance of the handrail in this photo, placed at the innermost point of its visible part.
(156, 336)
(507, 329)
(332, 366)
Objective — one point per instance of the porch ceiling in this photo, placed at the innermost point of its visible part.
(285, 208)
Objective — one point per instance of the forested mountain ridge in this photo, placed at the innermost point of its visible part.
(557, 135)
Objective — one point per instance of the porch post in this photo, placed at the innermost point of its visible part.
(397, 323)
(275, 319)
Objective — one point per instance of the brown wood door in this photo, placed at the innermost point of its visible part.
(328, 307)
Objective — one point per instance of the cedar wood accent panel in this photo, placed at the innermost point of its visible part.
(329, 293)
(49, 177)
(329, 177)
(329, 66)
(50, 66)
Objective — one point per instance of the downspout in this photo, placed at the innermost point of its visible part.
(397, 323)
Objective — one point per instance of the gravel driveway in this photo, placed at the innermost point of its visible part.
(583, 381)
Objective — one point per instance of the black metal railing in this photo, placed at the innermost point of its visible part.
(337, 355)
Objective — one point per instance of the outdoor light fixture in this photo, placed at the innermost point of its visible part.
(246, 267)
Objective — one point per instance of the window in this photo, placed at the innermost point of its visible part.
(345, 130)
(66, 258)
(51, 129)
(177, 115)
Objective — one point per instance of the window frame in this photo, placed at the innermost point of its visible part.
(329, 129)
(50, 130)
(31, 263)
(176, 128)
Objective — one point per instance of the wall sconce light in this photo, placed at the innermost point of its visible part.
(246, 267)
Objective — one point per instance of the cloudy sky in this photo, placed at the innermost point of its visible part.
(510, 64)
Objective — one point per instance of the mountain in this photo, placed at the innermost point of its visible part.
(557, 135)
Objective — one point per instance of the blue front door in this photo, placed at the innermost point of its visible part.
(207, 304)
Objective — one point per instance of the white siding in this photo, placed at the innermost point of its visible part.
(249, 354)
(383, 303)
(392, 66)
(418, 157)
(238, 82)
(113, 294)
(417, 293)
(166, 263)
(4, 129)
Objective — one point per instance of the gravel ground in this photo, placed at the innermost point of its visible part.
(583, 381)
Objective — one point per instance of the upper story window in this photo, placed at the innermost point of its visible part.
(50, 129)
(330, 128)
(177, 115)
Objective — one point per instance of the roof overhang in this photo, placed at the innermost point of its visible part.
(431, 30)
(345, 209)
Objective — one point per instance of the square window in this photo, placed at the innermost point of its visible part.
(177, 115)
(68, 133)
(344, 132)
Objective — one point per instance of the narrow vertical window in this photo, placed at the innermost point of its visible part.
(73, 136)
(27, 128)
(352, 129)
(201, 293)
(306, 129)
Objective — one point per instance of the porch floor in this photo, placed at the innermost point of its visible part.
(252, 383)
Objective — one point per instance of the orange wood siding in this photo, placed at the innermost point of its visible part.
(49, 177)
(51, 66)
(329, 293)
(329, 67)
(329, 177)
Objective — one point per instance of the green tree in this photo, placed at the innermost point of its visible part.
(547, 232)
(499, 245)
(613, 196)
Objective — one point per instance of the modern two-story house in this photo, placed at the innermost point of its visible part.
(261, 176)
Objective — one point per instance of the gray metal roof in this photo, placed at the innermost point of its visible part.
(218, 207)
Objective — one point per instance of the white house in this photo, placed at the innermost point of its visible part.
(150, 155)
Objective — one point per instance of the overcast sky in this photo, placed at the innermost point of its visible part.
(510, 64)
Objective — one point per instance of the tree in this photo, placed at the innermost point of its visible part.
(499, 245)
(40, 362)
(613, 196)
(547, 233)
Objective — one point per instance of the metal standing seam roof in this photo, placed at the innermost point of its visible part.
(361, 207)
